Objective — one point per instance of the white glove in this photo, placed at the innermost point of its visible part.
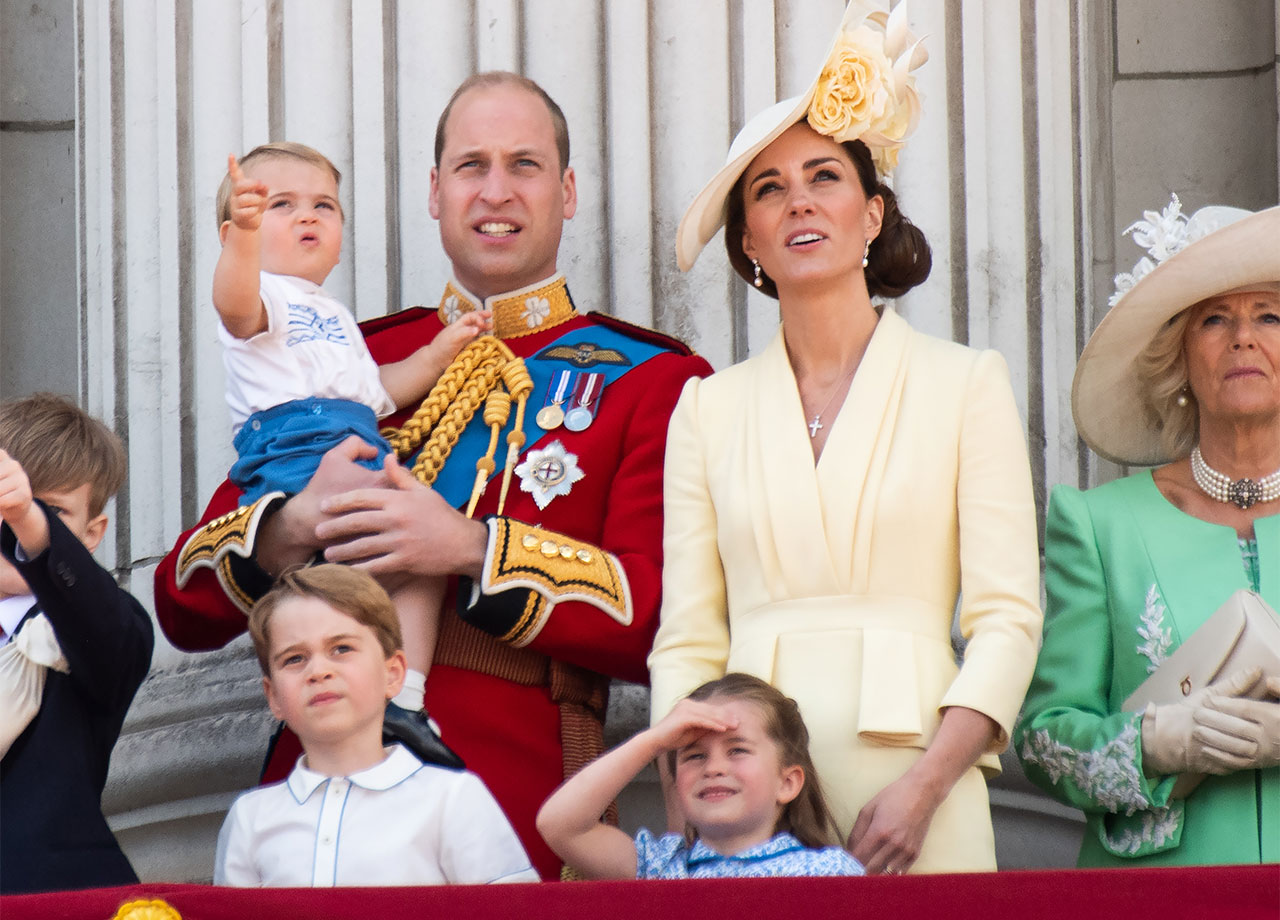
(1201, 734)
(1257, 721)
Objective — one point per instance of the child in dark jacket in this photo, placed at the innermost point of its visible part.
(74, 648)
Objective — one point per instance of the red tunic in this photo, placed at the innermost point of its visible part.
(509, 728)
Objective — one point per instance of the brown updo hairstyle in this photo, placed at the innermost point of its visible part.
(899, 259)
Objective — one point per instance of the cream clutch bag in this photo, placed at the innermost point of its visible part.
(1242, 634)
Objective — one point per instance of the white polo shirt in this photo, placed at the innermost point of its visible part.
(400, 822)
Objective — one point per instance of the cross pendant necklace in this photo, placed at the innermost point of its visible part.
(815, 424)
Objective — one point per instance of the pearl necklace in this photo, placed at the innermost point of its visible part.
(1241, 492)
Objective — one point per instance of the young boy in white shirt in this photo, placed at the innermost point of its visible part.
(300, 379)
(353, 812)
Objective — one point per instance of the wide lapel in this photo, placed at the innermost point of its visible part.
(1191, 592)
(788, 516)
(857, 448)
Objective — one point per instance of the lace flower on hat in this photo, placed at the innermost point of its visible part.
(1163, 234)
(866, 91)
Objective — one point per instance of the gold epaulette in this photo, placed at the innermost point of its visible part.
(212, 545)
(554, 568)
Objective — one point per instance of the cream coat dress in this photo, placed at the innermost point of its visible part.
(838, 583)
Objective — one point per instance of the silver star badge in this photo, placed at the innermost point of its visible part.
(548, 472)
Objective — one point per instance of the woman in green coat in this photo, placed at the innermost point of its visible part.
(1183, 375)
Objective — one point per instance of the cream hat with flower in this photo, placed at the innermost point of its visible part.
(864, 91)
(1216, 251)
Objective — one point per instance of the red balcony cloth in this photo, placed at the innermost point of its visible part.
(1214, 893)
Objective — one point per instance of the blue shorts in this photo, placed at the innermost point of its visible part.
(279, 448)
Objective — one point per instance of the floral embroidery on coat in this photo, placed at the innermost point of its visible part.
(1156, 828)
(451, 309)
(536, 311)
(1156, 637)
(1109, 775)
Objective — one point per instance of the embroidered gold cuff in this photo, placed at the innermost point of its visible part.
(554, 568)
(214, 545)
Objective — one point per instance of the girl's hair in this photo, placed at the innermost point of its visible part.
(900, 257)
(1162, 374)
(806, 817)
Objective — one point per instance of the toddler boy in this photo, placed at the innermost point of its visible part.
(300, 379)
(353, 812)
(74, 647)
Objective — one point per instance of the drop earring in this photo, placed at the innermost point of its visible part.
(866, 254)
(1183, 397)
(757, 281)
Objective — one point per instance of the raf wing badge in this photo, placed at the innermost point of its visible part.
(547, 472)
(584, 354)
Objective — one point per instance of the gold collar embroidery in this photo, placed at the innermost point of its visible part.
(515, 313)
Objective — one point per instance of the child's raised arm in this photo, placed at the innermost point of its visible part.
(570, 819)
(236, 282)
(19, 510)
(410, 380)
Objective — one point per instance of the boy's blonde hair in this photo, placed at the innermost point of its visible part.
(61, 447)
(346, 590)
(278, 150)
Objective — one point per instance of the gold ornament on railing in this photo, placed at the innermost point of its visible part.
(147, 910)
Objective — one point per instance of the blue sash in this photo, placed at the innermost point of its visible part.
(459, 473)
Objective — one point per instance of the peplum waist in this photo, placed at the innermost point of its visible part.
(865, 669)
(843, 612)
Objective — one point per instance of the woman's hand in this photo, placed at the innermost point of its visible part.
(1214, 730)
(890, 829)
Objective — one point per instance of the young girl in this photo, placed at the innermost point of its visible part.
(745, 783)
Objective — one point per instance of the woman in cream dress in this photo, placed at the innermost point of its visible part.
(828, 500)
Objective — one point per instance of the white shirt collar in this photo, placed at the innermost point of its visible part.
(392, 770)
(12, 610)
(307, 287)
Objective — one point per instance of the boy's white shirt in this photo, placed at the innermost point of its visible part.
(26, 655)
(313, 349)
(400, 822)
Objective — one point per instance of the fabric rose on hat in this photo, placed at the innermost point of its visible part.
(854, 90)
(866, 91)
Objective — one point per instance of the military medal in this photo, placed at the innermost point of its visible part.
(548, 472)
(551, 415)
(585, 402)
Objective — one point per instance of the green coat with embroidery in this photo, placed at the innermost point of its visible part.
(1129, 577)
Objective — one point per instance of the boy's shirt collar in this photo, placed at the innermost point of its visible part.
(307, 287)
(12, 610)
(392, 770)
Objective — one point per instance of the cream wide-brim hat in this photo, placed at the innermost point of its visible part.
(706, 214)
(1107, 399)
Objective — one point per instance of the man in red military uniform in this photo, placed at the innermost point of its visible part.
(560, 590)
